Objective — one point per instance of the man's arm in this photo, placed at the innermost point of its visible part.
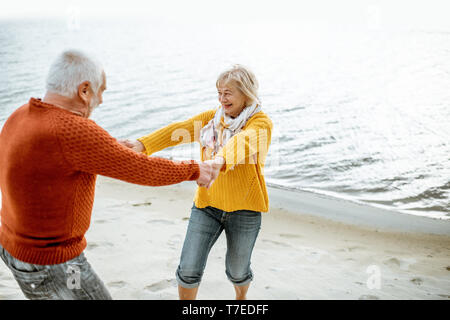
(89, 148)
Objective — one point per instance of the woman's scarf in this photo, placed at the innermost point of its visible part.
(221, 128)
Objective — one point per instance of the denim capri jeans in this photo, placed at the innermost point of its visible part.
(204, 228)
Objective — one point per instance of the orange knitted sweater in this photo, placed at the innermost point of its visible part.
(49, 158)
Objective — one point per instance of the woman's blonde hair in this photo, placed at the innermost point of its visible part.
(243, 79)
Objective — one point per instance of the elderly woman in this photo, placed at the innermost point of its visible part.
(234, 139)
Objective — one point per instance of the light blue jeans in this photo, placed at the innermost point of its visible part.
(205, 226)
(72, 280)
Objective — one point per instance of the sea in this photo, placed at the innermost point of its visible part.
(361, 114)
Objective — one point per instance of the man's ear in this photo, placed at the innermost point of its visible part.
(84, 91)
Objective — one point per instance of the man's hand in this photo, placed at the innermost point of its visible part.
(206, 174)
(136, 145)
(215, 166)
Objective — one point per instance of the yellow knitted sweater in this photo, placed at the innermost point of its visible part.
(240, 184)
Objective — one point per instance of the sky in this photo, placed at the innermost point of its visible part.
(409, 14)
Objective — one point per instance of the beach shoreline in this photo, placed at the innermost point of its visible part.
(310, 247)
(355, 212)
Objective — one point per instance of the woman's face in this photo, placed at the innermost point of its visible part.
(232, 99)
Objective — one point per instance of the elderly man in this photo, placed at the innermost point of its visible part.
(50, 154)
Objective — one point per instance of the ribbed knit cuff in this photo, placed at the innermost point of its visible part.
(194, 169)
(197, 171)
(146, 150)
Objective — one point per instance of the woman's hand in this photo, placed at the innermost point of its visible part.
(216, 166)
(136, 145)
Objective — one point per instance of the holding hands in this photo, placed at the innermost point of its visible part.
(209, 169)
(136, 145)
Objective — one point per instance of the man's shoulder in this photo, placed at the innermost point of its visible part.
(20, 111)
(72, 121)
(17, 117)
(72, 128)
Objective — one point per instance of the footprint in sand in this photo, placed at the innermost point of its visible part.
(282, 244)
(141, 204)
(161, 285)
(315, 256)
(172, 263)
(174, 240)
(355, 248)
(276, 269)
(368, 297)
(117, 284)
(351, 249)
(399, 263)
(417, 281)
(290, 235)
(111, 204)
(162, 221)
(93, 245)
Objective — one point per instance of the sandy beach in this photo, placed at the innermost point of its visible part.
(309, 247)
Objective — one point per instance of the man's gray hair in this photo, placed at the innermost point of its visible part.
(70, 69)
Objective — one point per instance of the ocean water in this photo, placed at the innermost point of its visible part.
(358, 114)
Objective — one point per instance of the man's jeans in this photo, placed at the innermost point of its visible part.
(71, 280)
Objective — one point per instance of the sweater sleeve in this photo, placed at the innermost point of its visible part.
(176, 133)
(89, 148)
(249, 146)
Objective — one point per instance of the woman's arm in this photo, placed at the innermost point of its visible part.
(174, 134)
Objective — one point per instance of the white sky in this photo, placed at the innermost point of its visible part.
(416, 14)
